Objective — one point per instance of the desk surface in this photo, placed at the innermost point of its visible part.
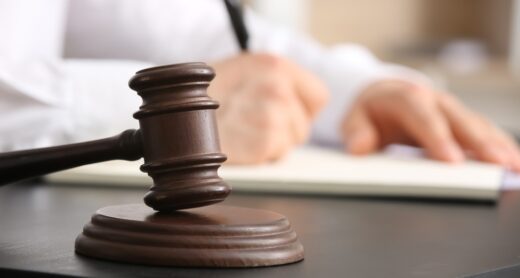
(343, 237)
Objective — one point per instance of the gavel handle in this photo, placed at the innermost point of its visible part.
(19, 165)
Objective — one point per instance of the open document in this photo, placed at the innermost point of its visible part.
(324, 171)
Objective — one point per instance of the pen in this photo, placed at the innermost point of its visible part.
(234, 10)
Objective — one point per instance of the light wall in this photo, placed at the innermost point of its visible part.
(385, 26)
(396, 25)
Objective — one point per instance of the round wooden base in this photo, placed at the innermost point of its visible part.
(213, 236)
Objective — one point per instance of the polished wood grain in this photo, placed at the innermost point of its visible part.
(215, 236)
(182, 149)
(20, 165)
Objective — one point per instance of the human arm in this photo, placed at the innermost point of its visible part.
(46, 99)
(374, 104)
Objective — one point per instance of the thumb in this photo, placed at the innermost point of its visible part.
(359, 133)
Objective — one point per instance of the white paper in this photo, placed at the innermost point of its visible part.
(396, 172)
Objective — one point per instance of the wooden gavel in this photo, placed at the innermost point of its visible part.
(178, 139)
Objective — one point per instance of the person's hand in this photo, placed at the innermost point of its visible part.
(400, 112)
(267, 106)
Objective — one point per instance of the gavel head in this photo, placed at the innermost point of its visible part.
(180, 138)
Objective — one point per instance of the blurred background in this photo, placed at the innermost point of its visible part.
(469, 47)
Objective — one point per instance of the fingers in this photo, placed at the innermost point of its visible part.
(428, 126)
(482, 138)
(511, 147)
(311, 91)
(268, 117)
(308, 88)
(287, 124)
(299, 121)
(359, 133)
(279, 95)
(397, 112)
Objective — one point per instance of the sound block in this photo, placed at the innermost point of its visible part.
(214, 236)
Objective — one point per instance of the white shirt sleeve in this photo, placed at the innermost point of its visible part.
(55, 102)
(46, 100)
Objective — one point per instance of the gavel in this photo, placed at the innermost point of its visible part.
(178, 139)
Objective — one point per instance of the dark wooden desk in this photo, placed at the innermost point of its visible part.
(343, 237)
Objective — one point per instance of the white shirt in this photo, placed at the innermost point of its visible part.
(64, 65)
